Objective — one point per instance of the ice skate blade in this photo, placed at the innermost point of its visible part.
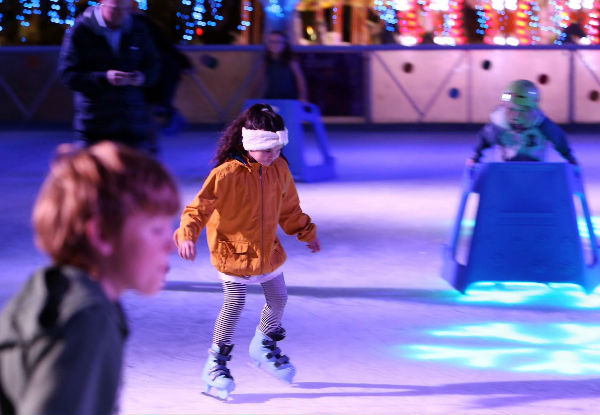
(221, 394)
(287, 378)
(218, 398)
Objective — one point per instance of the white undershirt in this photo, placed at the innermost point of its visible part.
(253, 279)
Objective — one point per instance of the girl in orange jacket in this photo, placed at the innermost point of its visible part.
(245, 197)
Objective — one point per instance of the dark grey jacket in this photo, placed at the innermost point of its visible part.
(61, 346)
(86, 56)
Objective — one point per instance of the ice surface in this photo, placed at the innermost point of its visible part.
(372, 327)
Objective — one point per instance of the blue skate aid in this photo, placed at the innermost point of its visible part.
(215, 373)
(265, 353)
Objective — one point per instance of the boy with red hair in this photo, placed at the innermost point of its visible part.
(104, 215)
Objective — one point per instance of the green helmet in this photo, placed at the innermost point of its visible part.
(522, 92)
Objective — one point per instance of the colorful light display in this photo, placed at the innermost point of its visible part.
(409, 28)
(519, 22)
(504, 22)
(526, 22)
(591, 26)
(453, 22)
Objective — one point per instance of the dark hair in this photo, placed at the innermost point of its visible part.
(287, 55)
(257, 117)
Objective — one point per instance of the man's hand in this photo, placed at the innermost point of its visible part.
(136, 78)
(118, 78)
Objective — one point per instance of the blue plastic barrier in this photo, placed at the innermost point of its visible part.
(294, 114)
(525, 227)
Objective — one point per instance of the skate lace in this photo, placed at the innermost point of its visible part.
(220, 369)
(275, 352)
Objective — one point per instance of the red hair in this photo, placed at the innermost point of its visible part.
(106, 181)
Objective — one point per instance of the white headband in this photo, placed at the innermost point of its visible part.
(263, 140)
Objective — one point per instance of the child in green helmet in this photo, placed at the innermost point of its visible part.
(519, 130)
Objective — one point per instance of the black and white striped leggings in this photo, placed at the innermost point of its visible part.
(233, 304)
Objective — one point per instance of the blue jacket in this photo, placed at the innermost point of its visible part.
(86, 56)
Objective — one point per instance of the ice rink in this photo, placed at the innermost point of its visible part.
(372, 327)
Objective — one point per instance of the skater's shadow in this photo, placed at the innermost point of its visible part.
(393, 294)
(485, 394)
(549, 300)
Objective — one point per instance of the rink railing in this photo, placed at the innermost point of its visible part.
(369, 84)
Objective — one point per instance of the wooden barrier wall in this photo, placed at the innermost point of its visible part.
(357, 84)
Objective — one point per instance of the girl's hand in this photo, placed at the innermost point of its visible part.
(187, 250)
(314, 246)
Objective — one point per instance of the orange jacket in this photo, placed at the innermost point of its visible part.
(241, 203)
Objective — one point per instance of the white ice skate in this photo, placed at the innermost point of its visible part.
(265, 354)
(215, 373)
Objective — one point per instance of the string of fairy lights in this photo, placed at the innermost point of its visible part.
(387, 11)
(197, 16)
(1, 17)
(509, 22)
(194, 15)
(247, 10)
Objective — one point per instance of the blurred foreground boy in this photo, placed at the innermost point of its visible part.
(104, 216)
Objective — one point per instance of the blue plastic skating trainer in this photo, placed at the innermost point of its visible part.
(265, 354)
(215, 374)
(295, 113)
(525, 228)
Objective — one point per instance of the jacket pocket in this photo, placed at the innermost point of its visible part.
(233, 256)
(278, 255)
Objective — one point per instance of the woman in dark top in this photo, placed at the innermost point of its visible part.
(283, 76)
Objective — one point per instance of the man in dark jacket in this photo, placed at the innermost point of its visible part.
(107, 59)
